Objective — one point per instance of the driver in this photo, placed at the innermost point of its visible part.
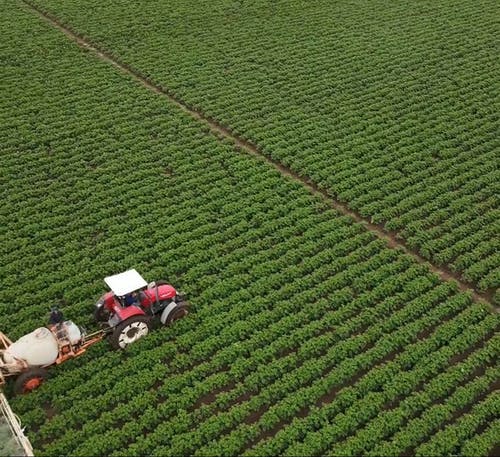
(130, 299)
(56, 316)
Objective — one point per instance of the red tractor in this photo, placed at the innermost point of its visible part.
(133, 303)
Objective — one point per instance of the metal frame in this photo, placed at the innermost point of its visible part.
(9, 369)
(68, 350)
(15, 426)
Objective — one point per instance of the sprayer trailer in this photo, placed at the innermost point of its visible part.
(131, 306)
(28, 357)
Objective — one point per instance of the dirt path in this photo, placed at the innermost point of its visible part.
(245, 146)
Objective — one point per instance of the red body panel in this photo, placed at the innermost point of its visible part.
(125, 313)
(165, 292)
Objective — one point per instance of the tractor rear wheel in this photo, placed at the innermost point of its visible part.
(30, 380)
(129, 331)
(180, 311)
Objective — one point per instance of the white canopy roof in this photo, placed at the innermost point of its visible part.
(126, 282)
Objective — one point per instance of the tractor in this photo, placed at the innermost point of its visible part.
(132, 305)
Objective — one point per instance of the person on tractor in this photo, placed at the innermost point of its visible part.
(56, 316)
(130, 299)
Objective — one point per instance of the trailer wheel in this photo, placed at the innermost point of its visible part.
(129, 331)
(30, 380)
(177, 313)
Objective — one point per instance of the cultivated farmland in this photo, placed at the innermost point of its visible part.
(309, 335)
(392, 107)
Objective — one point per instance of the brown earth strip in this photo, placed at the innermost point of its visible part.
(243, 145)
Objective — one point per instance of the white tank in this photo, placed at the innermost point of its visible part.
(37, 348)
(74, 333)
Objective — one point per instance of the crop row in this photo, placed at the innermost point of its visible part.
(293, 305)
(483, 443)
(175, 422)
(406, 434)
(319, 430)
(312, 359)
(364, 101)
(446, 441)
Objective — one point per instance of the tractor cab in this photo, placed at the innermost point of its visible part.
(126, 287)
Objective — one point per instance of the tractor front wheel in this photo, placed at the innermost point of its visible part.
(129, 331)
(180, 311)
(30, 380)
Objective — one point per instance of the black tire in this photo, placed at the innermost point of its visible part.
(126, 332)
(30, 380)
(180, 311)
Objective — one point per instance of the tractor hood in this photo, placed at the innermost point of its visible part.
(165, 292)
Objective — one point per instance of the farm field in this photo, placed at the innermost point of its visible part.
(391, 107)
(308, 335)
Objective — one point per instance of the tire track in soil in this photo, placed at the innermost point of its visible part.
(242, 145)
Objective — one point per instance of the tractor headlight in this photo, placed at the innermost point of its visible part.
(100, 311)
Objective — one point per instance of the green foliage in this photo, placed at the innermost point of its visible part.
(307, 334)
(384, 105)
